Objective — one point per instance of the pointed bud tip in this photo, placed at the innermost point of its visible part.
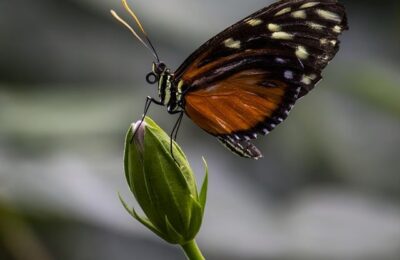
(137, 134)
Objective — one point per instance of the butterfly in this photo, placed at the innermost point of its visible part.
(245, 80)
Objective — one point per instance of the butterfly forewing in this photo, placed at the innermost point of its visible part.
(246, 79)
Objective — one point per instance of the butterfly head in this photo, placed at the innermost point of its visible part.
(157, 71)
(155, 74)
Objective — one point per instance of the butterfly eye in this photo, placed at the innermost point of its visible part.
(160, 67)
(151, 78)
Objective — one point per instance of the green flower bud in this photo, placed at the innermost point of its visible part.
(163, 184)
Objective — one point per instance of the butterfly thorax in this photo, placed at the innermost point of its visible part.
(168, 92)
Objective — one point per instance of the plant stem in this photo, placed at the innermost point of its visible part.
(192, 251)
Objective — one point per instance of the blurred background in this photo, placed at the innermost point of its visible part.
(72, 80)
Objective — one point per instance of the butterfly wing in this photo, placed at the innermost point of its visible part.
(246, 79)
(235, 108)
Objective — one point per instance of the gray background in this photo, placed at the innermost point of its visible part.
(72, 80)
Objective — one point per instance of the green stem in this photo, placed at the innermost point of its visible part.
(192, 251)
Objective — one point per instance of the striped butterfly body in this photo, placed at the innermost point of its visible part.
(245, 80)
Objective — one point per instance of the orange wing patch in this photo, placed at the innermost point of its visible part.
(236, 104)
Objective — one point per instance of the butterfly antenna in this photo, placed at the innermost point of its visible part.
(148, 45)
(132, 13)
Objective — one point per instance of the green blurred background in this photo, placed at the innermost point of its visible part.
(72, 80)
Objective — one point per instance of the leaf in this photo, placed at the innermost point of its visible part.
(173, 235)
(204, 188)
(143, 221)
(195, 221)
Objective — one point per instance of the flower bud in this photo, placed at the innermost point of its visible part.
(163, 184)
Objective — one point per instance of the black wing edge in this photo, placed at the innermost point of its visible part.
(243, 148)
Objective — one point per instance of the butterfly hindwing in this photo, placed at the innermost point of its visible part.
(246, 79)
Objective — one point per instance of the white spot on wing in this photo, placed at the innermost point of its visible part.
(308, 5)
(254, 22)
(284, 11)
(231, 43)
(315, 26)
(324, 57)
(282, 36)
(324, 41)
(274, 27)
(301, 14)
(313, 76)
(307, 79)
(328, 15)
(337, 29)
(288, 74)
(280, 60)
(301, 52)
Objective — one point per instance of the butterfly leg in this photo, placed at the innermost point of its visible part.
(149, 101)
(177, 125)
(175, 130)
